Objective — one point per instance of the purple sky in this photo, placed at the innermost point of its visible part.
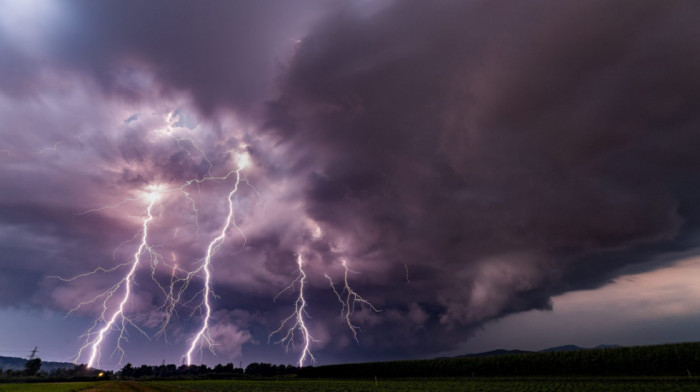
(497, 174)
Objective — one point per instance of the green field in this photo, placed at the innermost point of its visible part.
(50, 387)
(480, 385)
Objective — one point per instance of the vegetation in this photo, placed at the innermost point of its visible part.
(13, 363)
(33, 374)
(648, 365)
(678, 360)
(482, 385)
(401, 385)
(48, 387)
(31, 367)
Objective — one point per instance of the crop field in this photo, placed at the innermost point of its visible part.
(49, 387)
(468, 385)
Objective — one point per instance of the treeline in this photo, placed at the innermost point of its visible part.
(204, 372)
(674, 360)
(32, 372)
(661, 360)
(14, 363)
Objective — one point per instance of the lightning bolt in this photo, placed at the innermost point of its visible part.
(169, 132)
(127, 281)
(298, 318)
(349, 300)
(178, 283)
(52, 148)
(168, 306)
(173, 294)
(291, 330)
(203, 334)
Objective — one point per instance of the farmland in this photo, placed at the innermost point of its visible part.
(400, 385)
(661, 368)
(49, 387)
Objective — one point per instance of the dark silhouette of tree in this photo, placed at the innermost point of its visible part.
(31, 367)
(143, 371)
(269, 370)
(127, 371)
(202, 369)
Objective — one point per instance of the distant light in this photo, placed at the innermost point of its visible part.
(242, 160)
(153, 193)
(101, 374)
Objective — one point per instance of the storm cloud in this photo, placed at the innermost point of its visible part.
(467, 159)
(497, 147)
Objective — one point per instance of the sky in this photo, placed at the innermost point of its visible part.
(346, 181)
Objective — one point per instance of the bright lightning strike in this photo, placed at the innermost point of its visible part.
(203, 333)
(242, 160)
(292, 330)
(153, 193)
(349, 300)
(118, 316)
(171, 119)
(297, 316)
(178, 284)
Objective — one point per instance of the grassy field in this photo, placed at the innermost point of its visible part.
(467, 385)
(49, 387)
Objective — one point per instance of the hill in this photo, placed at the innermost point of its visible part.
(677, 360)
(12, 363)
(493, 353)
(568, 347)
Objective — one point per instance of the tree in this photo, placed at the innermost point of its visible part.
(31, 367)
(127, 371)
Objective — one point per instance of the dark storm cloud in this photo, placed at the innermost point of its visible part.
(18, 69)
(468, 159)
(498, 146)
(223, 53)
(38, 241)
